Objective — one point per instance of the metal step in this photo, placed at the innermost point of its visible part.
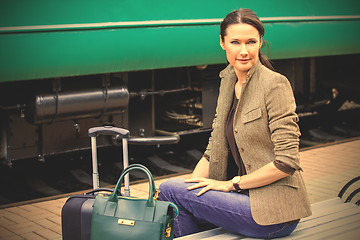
(137, 174)
(85, 178)
(320, 134)
(40, 186)
(195, 154)
(159, 162)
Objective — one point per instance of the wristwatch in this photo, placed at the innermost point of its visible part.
(236, 181)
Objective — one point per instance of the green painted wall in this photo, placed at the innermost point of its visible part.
(45, 39)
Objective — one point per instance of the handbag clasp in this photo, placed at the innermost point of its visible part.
(168, 232)
(156, 195)
(126, 222)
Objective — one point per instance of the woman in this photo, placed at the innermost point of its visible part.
(248, 180)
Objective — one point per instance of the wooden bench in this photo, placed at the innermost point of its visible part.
(331, 219)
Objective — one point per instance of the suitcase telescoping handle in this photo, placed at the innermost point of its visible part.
(109, 130)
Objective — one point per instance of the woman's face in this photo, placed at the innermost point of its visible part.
(242, 45)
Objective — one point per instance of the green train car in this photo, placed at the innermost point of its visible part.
(151, 66)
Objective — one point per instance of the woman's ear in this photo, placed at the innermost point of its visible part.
(222, 43)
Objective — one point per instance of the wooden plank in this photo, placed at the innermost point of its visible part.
(331, 206)
(345, 229)
(316, 223)
(225, 236)
(324, 230)
(326, 203)
(334, 209)
(349, 235)
(205, 234)
(331, 218)
(348, 231)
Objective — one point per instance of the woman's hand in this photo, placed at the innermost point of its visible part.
(210, 184)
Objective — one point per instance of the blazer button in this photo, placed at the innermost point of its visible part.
(235, 130)
(241, 149)
(248, 166)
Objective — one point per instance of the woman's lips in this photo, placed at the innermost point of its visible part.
(243, 60)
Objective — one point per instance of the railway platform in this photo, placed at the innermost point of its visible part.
(327, 168)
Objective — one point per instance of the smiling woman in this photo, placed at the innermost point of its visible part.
(248, 180)
(242, 44)
(253, 29)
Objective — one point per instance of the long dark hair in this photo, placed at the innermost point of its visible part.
(246, 16)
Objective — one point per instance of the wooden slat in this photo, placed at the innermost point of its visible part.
(225, 236)
(205, 234)
(349, 231)
(324, 208)
(325, 230)
(352, 234)
(332, 215)
(325, 204)
(331, 219)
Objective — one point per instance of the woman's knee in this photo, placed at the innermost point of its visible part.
(172, 188)
(171, 185)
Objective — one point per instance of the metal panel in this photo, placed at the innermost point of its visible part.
(44, 39)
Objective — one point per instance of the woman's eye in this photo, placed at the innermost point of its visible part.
(252, 42)
(234, 42)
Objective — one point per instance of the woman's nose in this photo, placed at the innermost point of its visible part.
(243, 49)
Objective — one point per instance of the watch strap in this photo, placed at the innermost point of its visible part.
(237, 187)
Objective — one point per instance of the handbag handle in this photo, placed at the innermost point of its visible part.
(146, 169)
(152, 188)
(150, 202)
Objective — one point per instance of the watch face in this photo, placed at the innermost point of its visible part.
(236, 179)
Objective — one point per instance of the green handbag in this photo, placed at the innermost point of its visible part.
(128, 218)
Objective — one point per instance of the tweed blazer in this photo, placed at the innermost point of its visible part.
(265, 129)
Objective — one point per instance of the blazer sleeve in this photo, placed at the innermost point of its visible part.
(285, 133)
(222, 75)
(208, 147)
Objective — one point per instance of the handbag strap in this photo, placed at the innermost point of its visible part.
(175, 207)
(146, 169)
(150, 201)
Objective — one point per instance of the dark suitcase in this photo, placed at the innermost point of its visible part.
(77, 210)
(76, 215)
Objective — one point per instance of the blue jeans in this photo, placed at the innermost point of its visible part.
(228, 210)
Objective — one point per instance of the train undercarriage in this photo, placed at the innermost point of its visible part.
(45, 117)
